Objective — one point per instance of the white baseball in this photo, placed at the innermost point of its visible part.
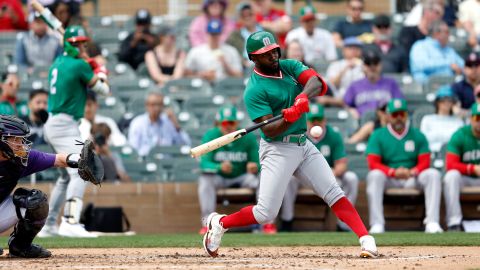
(316, 131)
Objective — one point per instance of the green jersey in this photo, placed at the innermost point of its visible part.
(68, 78)
(20, 109)
(331, 146)
(269, 95)
(465, 145)
(238, 152)
(397, 150)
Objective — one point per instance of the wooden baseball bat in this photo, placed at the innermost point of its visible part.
(228, 138)
(48, 17)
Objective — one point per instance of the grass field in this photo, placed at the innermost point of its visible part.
(249, 240)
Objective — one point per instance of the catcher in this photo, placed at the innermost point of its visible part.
(27, 209)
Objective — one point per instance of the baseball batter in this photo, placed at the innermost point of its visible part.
(330, 144)
(463, 167)
(69, 77)
(26, 209)
(284, 87)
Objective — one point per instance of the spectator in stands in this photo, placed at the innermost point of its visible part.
(273, 19)
(469, 16)
(330, 144)
(165, 62)
(247, 26)
(462, 166)
(394, 57)
(317, 43)
(9, 103)
(112, 162)
(214, 60)
(433, 56)
(368, 93)
(134, 47)
(37, 116)
(12, 17)
(449, 16)
(37, 48)
(343, 72)
(410, 34)
(364, 132)
(439, 127)
(464, 88)
(235, 164)
(212, 9)
(90, 117)
(398, 156)
(155, 127)
(353, 25)
(61, 10)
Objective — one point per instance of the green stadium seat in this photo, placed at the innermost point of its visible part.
(342, 120)
(358, 164)
(232, 88)
(144, 171)
(187, 170)
(435, 81)
(420, 112)
(176, 151)
(112, 107)
(415, 101)
(202, 105)
(187, 88)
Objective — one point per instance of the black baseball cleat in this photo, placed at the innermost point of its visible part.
(34, 251)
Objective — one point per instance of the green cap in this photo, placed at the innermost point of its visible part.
(261, 42)
(475, 109)
(307, 13)
(397, 105)
(75, 33)
(226, 113)
(316, 111)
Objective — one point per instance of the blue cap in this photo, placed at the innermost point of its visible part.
(214, 27)
(445, 91)
(352, 41)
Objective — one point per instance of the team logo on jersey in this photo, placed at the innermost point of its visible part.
(409, 146)
(325, 150)
(266, 41)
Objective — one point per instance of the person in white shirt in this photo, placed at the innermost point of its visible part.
(317, 43)
(439, 127)
(91, 117)
(214, 60)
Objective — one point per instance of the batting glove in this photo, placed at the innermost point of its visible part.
(99, 70)
(300, 106)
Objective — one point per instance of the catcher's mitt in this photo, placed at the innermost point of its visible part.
(90, 167)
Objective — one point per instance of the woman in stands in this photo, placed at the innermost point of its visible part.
(165, 61)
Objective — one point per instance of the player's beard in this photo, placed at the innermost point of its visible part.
(270, 69)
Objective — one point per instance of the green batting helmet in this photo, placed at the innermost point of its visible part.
(261, 42)
(75, 33)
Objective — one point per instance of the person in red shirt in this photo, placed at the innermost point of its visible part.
(273, 19)
(12, 17)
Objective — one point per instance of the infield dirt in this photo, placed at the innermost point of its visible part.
(253, 258)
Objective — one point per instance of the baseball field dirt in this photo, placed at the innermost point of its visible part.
(253, 258)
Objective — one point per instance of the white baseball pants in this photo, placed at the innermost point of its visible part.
(453, 182)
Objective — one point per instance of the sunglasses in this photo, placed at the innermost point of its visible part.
(401, 114)
(372, 63)
(383, 26)
(473, 65)
(478, 95)
(228, 123)
(316, 119)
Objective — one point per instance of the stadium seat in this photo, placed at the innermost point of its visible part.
(176, 151)
(419, 113)
(358, 164)
(112, 107)
(355, 149)
(187, 170)
(144, 171)
(415, 101)
(232, 88)
(187, 88)
(435, 81)
(203, 104)
(342, 120)
(142, 71)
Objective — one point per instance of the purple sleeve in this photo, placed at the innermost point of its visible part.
(396, 92)
(38, 161)
(349, 97)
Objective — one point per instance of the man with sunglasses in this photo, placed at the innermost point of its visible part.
(398, 156)
(284, 87)
(463, 167)
(235, 164)
(330, 144)
(368, 93)
(354, 25)
(464, 89)
(9, 102)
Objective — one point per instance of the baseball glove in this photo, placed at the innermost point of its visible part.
(90, 167)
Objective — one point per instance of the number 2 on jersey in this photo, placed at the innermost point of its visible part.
(53, 81)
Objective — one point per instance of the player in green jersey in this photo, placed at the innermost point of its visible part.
(235, 164)
(330, 144)
(463, 167)
(284, 87)
(398, 156)
(70, 76)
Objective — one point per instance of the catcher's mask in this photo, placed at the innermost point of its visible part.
(13, 139)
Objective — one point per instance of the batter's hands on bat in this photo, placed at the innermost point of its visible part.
(99, 70)
(226, 167)
(300, 106)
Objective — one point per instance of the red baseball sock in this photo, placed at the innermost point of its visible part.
(345, 211)
(244, 217)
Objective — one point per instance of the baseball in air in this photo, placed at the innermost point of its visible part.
(316, 131)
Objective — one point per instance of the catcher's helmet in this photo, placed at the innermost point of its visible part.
(75, 33)
(261, 42)
(13, 139)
